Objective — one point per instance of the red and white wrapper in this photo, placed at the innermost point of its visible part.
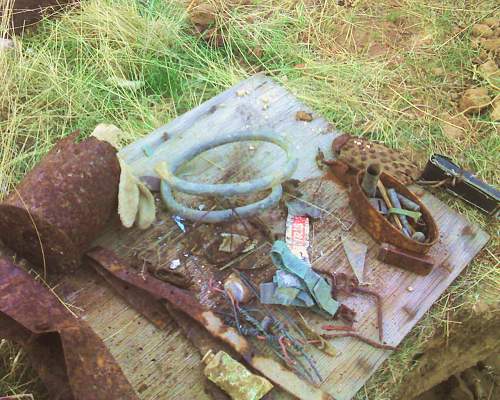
(297, 235)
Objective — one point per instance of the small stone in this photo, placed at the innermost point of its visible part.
(175, 264)
(474, 100)
(492, 22)
(488, 68)
(303, 116)
(480, 30)
(491, 44)
(410, 289)
(438, 71)
(455, 127)
(241, 92)
(203, 14)
(475, 43)
(258, 52)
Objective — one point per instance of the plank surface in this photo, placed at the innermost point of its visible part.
(164, 365)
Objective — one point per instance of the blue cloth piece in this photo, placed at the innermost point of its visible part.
(316, 285)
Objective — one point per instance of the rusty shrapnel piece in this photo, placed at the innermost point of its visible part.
(379, 227)
(420, 264)
(27, 13)
(70, 358)
(62, 204)
(342, 282)
(185, 302)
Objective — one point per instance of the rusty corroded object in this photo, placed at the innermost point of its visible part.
(185, 302)
(360, 152)
(341, 282)
(70, 358)
(27, 13)
(420, 264)
(379, 227)
(63, 203)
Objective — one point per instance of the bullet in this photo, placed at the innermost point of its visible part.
(419, 237)
(408, 204)
(370, 179)
(396, 203)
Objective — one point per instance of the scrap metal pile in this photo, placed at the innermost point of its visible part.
(259, 320)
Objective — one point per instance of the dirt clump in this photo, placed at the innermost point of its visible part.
(482, 30)
(474, 100)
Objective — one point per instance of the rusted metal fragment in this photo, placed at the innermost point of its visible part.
(184, 301)
(341, 282)
(56, 336)
(161, 316)
(40, 349)
(146, 304)
(341, 172)
(27, 13)
(417, 263)
(380, 228)
(63, 203)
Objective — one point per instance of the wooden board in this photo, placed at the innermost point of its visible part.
(163, 365)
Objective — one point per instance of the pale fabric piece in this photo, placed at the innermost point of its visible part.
(108, 133)
(146, 212)
(6, 44)
(128, 196)
(136, 204)
(126, 84)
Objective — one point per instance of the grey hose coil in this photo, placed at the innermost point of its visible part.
(167, 171)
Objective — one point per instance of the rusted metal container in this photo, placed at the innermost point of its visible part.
(63, 203)
(379, 227)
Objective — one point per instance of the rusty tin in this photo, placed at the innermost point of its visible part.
(63, 203)
(379, 227)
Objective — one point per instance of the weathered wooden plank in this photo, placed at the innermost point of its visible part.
(163, 365)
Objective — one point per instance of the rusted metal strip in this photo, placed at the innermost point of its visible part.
(66, 352)
(161, 315)
(417, 263)
(185, 302)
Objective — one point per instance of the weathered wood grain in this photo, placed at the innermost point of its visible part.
(163, 365)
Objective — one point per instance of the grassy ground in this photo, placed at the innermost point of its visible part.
(391, 70)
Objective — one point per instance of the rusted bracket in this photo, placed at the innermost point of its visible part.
(344, 283)
(420, 264)
(184, 301)
(70, 358)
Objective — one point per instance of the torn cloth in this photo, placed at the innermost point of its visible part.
(295, 283)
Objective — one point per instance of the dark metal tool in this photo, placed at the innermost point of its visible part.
(443, 172)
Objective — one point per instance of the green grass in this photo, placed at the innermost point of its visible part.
(61, 78)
